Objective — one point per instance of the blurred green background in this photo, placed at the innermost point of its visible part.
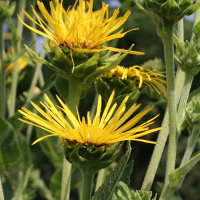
(146, 40)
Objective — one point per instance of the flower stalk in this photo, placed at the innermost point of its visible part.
(162, 137)
(87, 181)
(184, 96)
(1, 191)
(190, 146)
(169, 61)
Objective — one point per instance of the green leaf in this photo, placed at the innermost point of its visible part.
(38, 183)
(157, 19)
(177, 176)
(22, 184)
(194, 95)
(187, 11)
(35, 57)
(106, 190)
(122, 191)
(62, 85)
(9, 146)
(125, 178)
(196, 30)
(102, 88)
(26, 156)
(50, 147)
(55, 183)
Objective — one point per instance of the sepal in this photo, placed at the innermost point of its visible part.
(192, 114)
(105, 85)
(90, 158)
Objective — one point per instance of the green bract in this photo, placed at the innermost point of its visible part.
(6, 9)
(90, 158)
(188, 55)
(164, 11)
(123, 87)
(76, 67)
(192, 114)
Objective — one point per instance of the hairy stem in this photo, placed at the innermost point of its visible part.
(183, 100)
(169, 62)
(190, 146)
(87, 180)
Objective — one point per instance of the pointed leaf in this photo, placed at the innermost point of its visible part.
(9, 146)
(106, 190)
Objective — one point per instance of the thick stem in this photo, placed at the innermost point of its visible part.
(15, 68)
(1, 191)
(190, 146)
(183, 100)
(3, 74)
(72, 103)
(87, 181)
(100, 178)
(163, 134)
(162, 137)
(167, 193)
(66, 177)
(169, 62)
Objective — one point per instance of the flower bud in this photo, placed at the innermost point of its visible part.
(90, 158)
(192, 114)
(6, 9)
(188, 57)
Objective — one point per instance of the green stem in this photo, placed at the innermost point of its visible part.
(190, 146)
(100, 178)
(15, 68)
(162, 137)
(167, 193)
(66, 177)
(180, 30)
(3, 74)
(72, 102)
(183, 100)
(87, 181)
(1, 191)
(169, 62)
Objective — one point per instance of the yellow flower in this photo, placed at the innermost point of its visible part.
(80, 29)
(151, 78)
(108, 129)
(21, 62)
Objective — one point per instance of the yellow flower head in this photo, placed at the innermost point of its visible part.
(21, 62)
(151, 78)
(108, 129)
(80, 29)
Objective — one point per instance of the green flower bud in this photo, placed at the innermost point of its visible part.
(192, 114)
(90, 158)
(129, 81)
(6, 9)
(79, 67)
(188, 57)
(165, 11)
(142, 195)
